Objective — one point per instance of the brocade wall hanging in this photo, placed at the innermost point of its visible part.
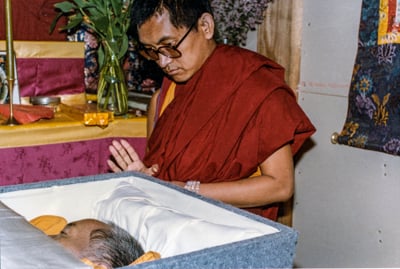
(373, 116)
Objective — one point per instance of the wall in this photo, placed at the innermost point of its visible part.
(251, 42)
(347, 201)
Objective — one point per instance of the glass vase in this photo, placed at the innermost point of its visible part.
(112, 91)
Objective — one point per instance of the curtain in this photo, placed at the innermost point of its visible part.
(279, 37)
(373, 116)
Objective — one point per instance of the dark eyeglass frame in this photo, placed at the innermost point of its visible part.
(152, 54)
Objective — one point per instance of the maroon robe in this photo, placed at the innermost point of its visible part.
(226, 120)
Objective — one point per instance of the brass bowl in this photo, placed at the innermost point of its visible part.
(45, 100)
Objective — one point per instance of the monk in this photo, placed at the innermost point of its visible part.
(222, 112)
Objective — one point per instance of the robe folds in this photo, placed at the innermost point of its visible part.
(227, 119)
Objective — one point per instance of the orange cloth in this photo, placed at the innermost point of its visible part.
(170, 94)
(27, 113)
(226, 120)
(148, 256)
(49, 224)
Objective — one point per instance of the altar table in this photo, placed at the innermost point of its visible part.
(63, 147)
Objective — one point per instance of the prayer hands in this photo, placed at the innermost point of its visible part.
(126, 159)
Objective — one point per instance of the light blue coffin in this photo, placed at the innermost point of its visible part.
(188, 230)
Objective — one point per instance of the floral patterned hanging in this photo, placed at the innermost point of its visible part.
(234, 18)
(373, 117)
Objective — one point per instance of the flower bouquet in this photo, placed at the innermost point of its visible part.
(109, 21)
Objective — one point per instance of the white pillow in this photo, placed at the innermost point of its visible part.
(24, 246)
(163, 229)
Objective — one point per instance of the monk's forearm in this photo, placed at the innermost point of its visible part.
(250, 192)
(275, 184)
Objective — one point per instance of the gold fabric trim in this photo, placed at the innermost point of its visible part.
(47, 49)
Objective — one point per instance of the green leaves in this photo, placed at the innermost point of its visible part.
(73, 22)
(108, 19)
(65, 7)
(117, 7)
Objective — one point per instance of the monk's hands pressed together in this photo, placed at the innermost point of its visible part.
(127, 159)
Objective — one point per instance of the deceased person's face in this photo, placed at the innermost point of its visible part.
(75, 235)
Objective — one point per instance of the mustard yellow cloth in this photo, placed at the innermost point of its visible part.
(46, 49)
(49, 224)
(168, 97)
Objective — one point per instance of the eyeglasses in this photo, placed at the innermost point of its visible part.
(168, 51)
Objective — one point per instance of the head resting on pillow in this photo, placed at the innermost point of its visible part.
(99, 244)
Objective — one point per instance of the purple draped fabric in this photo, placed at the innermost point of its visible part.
(56, 161)
(50, 76)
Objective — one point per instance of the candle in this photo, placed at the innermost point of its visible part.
(10, 60)
(9, 42)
